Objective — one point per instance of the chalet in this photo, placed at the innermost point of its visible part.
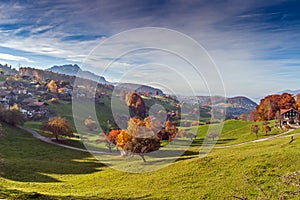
(28, 101)
(4, 104)
(65, 96)
(34, 109)
(35, 84)
(290, 115)
(47, 96)
(20, 90)
(36, 106)
(12, 96)
(5, 98)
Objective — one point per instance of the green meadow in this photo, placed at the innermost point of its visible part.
(31, 169)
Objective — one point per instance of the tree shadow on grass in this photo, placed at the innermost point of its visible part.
(198, 142)
(16, 194)
(187, 158)
(171, 153)
(225, 141)
(168, 156)
(27, 159)
(41, 171)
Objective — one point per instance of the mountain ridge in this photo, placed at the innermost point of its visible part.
(75, 70)
(294, 92)
(234, 106)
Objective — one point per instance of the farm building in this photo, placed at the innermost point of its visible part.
(290, 115)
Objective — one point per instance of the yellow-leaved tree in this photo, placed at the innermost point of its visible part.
(52, 86)
(140, 137)
(58, 126)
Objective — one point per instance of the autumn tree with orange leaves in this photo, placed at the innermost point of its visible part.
(137, 107)
(112, 136)
(297, 98)
(287, 101)
(122, 139)
(58, 126)
(52, 86)
(270, 105)
(143, 134)
(171, 130)
(140, 137)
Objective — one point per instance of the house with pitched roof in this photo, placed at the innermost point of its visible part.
(32, 107)
(290, 115)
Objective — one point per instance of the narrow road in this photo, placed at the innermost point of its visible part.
(282, 135)
(49, 141)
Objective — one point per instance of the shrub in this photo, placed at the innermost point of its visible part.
(12, 117)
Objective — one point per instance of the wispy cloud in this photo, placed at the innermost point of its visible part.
(14, 58)
(251, 39)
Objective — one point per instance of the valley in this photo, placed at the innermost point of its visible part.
(241, 164)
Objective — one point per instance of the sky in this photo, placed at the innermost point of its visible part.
(231, 47)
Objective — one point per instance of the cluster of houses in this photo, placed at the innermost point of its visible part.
(33, 108)
(31, 96)
(29, 106)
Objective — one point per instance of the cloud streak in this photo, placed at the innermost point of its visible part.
(4, 56)
(252, 39)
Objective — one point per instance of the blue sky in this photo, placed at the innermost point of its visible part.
(254, 44)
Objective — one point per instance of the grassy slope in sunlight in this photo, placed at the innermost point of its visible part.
(253, 170)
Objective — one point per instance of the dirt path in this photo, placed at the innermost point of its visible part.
(49, 141)
(282, 135)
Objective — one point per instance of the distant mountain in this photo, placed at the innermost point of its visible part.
(75, 70)
(7, 70)
(139, 88)
(294, 92)
(239, 105)
(241, 101)
(234, 106)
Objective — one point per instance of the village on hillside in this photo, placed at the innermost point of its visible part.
(30, 91)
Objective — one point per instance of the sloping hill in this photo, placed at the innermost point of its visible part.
(239, 105)
(34, 168)
(139, 88)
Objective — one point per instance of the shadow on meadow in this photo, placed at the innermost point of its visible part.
(16, 194)
(27, 159)
(179, 154)
(199, 141)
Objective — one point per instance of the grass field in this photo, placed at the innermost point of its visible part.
(30, 168)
